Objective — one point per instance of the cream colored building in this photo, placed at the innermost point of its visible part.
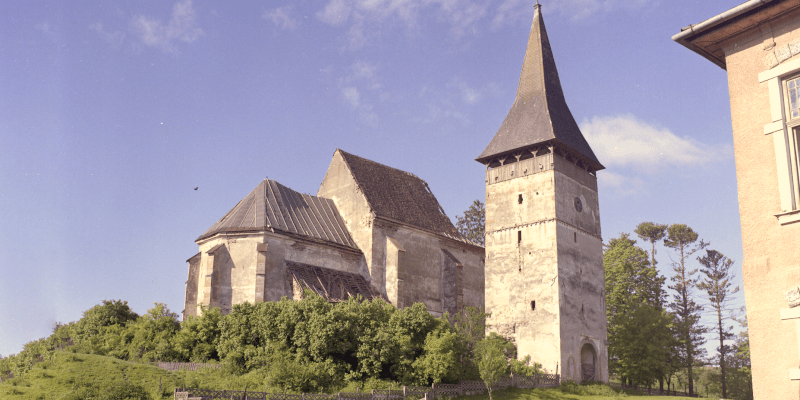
(758, 43)
(371, 230)
(545, 285)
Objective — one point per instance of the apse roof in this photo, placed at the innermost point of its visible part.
(274, 206)
(400, 196)
(332, 285)
(539, 113)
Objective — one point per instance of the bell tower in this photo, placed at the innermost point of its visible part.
(545, 285)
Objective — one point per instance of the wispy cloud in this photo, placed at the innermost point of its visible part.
(181, 27)
(367, 18)
(44, 27)
(625, 141)
(359, 87)
(113, 38)
(620, 184)
(512, 11)
(281, 18)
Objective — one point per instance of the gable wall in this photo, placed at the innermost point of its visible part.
(340, 187)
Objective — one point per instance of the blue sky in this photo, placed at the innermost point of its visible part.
(111, 115)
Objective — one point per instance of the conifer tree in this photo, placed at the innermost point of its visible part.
(683, 240)
(651, 232)
(717, 286)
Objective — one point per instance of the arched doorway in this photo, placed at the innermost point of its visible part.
(588, 362)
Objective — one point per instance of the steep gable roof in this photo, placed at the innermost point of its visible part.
(274, 206)
(539, 113)
(400, 196)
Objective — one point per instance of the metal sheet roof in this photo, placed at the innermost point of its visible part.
(539, 113)
(274, 206)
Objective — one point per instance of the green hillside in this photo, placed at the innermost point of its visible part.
(70, 376)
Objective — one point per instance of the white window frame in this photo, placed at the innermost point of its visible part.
(785, 134)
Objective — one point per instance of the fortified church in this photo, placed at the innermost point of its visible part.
(379, 232)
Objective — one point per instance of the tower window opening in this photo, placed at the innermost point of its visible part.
(519, 200)
(533, 305)
(575, 237)
(519, 237)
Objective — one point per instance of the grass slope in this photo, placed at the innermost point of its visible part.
(69, 376)
(556, 394)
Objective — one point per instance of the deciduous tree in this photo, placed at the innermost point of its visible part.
(491, 358)
(638, 330)
(472, 224)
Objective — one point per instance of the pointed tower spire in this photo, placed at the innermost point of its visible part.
(540, 114)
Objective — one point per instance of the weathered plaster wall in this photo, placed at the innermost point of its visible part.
(340, 187)
(771, 262)
(192, 281)
(540, 248)
(582, 298)
(235, 266)
(421, 267)
(521, 266)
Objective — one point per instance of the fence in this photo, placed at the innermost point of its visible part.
(177, 366)
(437, 390)
(651, 391)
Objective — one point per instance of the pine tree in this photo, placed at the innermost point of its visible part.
(683, 240)
(717, 286)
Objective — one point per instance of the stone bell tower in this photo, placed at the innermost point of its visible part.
(545, 285)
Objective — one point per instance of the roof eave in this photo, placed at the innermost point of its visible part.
(596, 165)
(690, 34)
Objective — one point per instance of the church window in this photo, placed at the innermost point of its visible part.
(519, 200)
(519, 237)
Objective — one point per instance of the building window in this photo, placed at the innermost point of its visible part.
(783, 130)
(793, 97)
(790, 149)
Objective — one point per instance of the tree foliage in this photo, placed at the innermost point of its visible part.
(306, 346)
(683, 241)
(717, 287)
(472, 224)
(491, 354)
(639, 331)
(740, 375)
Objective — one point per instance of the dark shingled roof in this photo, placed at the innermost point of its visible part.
(332, 285)
(540, 113)
(272, 205)
(400, 196)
